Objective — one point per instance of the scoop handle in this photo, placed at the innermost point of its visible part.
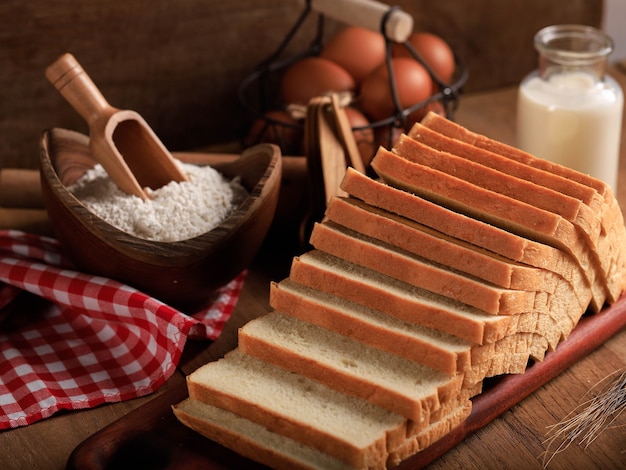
(69, 78)
(368, 14)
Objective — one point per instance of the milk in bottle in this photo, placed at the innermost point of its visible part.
(569, 110)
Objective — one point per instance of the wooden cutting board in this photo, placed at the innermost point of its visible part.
(151, 437)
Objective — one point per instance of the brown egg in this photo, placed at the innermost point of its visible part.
(434, 50)
(313, 76)
(280, 128)
(364, 137)
(413, 85)
(358, 50)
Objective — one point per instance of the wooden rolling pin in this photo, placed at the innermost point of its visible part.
(20, 188)
(27, 220)
(21, 202)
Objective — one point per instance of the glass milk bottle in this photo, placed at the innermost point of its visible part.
(569, 110)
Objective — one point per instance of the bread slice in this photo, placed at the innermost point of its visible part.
(435, 431)
(335, 276)
(387, 228)
(252, 440)
(258, 443)
(414, 149)
(399, 264)
(467, 393)
(347, 428)
(585, 219)
(497, 209)
(349, 366)
(563, 179)
(412, 341)
(509, 355)
(445, 135)
(465, 228)
(438, 247)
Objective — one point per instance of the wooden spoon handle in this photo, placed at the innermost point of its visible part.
(368, 14)
(69, 78)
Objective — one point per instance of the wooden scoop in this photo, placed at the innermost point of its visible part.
(120, 140)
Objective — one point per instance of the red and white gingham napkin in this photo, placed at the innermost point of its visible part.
(92, 340)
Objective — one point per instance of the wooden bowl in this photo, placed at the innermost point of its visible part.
(184, 274)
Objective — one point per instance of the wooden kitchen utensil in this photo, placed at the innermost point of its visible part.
(345, 134)
(120, 140)
(182, 273)
(370, 14)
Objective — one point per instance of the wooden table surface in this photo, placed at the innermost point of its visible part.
(515, 440)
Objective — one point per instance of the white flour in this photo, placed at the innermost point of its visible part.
(176, 211)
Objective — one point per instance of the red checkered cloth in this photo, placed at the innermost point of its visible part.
(92, 340)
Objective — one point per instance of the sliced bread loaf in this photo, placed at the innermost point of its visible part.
(572, 209)
(384, 258)
(252, 440)
(473, 231)
(472, 260)
(507, 213)
(565, 179)
(412, 341)
(440, 248)
(335, 276)
(384, 379)
(347, 428)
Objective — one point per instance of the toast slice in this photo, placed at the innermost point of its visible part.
(561, 178)
(352, 246)
(440, 351)
(252, 440)
(507, 213)
(349, 366)
(467, 229)
(362, 285)
(347, 428)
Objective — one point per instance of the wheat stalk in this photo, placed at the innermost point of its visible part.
(589, 419)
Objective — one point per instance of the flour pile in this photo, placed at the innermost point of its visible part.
(174, 212)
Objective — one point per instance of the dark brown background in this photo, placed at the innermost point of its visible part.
(179, 63)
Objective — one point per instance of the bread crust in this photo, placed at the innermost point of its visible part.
(278, 453)
(448, 354)
(593, 192)
(462, 227)
(356, 248)
(207, 384)
(508, 213)
(422, 392)
(435, 431)
(431, 244)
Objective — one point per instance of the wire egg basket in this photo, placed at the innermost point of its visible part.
(258, 93)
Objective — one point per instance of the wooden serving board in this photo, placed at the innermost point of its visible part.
(151, 437)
